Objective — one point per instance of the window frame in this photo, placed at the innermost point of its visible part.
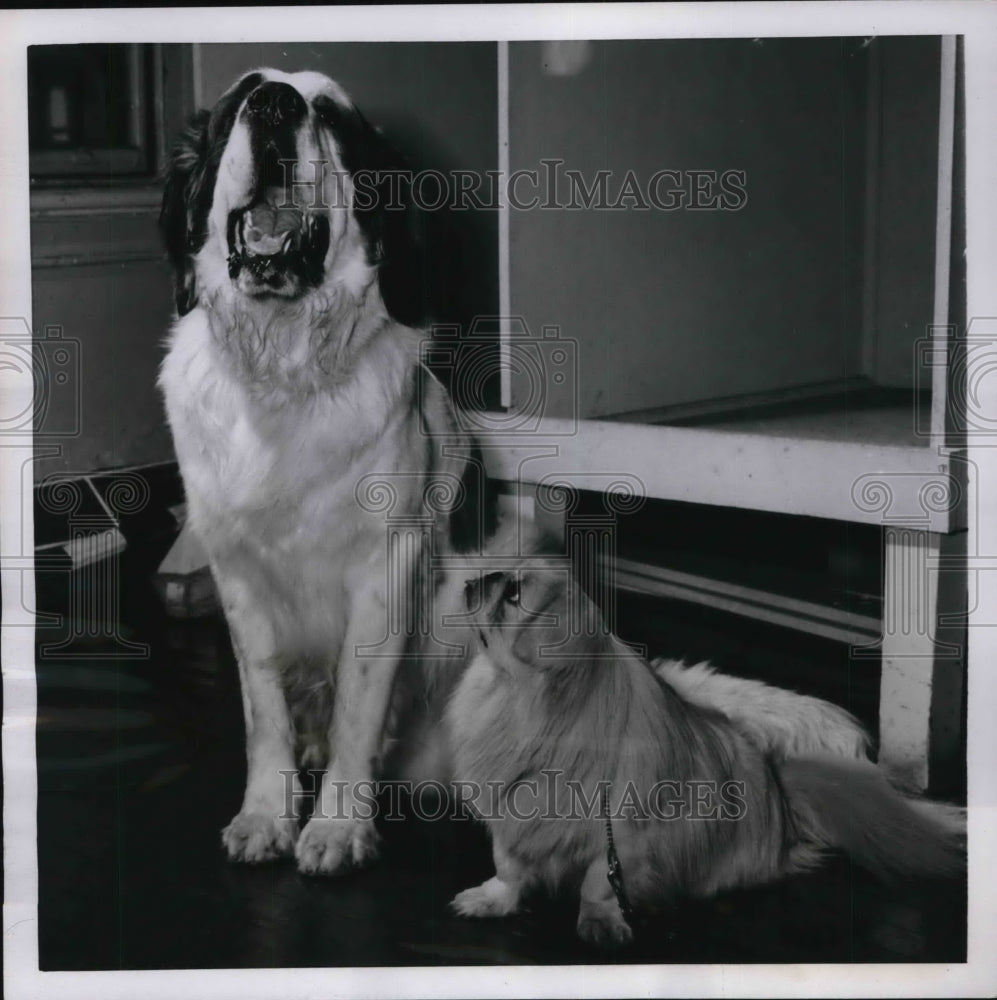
(169, 101)
(138, 159)
(111, 219)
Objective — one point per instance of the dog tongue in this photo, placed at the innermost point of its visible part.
(265, 228)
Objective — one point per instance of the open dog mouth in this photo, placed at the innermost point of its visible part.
(275, 247)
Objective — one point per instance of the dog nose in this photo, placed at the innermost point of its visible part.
(276, 104)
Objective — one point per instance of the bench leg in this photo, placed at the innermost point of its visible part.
(923, 656)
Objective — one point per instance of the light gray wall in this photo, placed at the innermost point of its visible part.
(907, 170)
(119, 314)
(99, 280)
(669, 307)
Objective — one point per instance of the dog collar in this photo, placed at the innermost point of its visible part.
(615, 868)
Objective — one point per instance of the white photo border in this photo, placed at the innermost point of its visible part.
(977, 22)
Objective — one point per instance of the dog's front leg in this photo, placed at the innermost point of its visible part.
(340, 833)
(600, 920)
(266, 826)
(500, 895)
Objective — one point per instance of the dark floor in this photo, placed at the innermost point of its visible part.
(141, 764)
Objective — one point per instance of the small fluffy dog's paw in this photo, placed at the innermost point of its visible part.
(493, 898)
(604, 927)
(333, 846)
(256, 837)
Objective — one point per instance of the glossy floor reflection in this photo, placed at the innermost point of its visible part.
(141, 764)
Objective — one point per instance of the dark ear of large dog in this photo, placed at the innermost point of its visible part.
(189, 188)
(182, 215)
(384, 210)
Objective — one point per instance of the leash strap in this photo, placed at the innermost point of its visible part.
(615, 872)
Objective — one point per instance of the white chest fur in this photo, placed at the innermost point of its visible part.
(274, 471)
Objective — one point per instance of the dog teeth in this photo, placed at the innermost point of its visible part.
(270, 242)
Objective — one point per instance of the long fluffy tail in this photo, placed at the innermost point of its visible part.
(849, 805)
(777, 721)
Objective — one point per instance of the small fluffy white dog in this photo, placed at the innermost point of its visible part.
(626, 787)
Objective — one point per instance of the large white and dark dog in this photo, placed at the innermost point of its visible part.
(298, 403)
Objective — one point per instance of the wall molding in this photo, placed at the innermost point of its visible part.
(100, 201)
(73, 228)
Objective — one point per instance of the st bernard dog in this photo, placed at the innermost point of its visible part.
(297, 400)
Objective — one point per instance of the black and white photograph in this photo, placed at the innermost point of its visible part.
(499, 500)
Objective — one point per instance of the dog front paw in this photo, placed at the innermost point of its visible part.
(334, 846)
(256, 837)
(602, 925)
(493, 898)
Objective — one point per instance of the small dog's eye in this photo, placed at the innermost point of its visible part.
(511, 593)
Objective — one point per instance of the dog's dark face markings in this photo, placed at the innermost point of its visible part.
(282, 189)
(515, 612)
(489, 598)
(278, 241)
